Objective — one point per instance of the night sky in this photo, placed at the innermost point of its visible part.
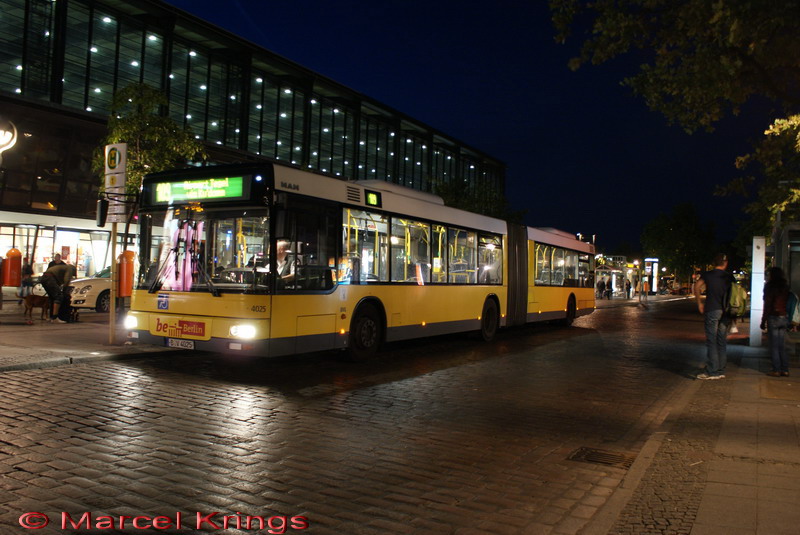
(583, 153)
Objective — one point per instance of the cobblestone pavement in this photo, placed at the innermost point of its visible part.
(440, 436)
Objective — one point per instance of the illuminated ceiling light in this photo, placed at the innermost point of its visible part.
(233, 97)
(107, 20)
(192, 53)
(335, 110)
(391, 134)
(258, 136)
(153, 38)
(88, 108)
(19, 67)
(237, 130)
(197, 137)
(219, 142)
(362, 143)
(188, 115)
(313, 101)
(258, 106)
(213, 123)
(298, 148)
(287, 91)
(97, 90)
(283, 115)
(135, 63)
(203, 87)
(279, 142)
(171, 76)
(93, 49)
(325, 130)
(8, 135)
(259, 80)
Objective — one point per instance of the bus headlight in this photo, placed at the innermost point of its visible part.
(130, 322)
(246, 332)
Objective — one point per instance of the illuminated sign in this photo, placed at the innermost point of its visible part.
(372, 198)
(233, 188)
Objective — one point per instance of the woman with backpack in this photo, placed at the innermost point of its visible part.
(775, 320)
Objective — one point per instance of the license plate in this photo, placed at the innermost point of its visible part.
(182, 344)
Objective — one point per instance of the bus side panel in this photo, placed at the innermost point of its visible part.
(549, 302)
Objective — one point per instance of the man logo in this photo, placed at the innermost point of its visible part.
(288, 185)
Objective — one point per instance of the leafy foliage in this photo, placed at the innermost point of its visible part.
(703, 58)
(679, 239)
(155, 142)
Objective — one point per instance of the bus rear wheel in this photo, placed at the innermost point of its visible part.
(571, 311)
(365, 333)
(490, 320)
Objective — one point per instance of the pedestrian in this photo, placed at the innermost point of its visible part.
(53, 280)
(717, 284)
(775, 320)
(609, 288)
(55, 261)
(628, 288)
(601, 288)
(26, 284)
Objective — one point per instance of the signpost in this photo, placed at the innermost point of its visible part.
(116, 160)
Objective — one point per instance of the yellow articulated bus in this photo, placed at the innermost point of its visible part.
(268, 260)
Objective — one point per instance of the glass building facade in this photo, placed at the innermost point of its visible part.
(62, 60)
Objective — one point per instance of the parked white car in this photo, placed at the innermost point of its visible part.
(93, 292)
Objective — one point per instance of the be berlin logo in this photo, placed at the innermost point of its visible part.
(207, 521)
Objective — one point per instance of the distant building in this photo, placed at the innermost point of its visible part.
(62, 60)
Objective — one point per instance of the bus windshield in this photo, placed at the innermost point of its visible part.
(208, 251)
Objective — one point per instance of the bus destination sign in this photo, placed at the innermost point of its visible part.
(199, 190)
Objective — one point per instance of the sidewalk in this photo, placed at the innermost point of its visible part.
(726, 461)
(44, 345)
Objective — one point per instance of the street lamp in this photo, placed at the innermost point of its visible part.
(8, 136)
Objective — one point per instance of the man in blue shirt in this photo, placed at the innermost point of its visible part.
(717, 284)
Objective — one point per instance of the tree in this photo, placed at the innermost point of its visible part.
(155, 142)
(703, 59)
(679, 239)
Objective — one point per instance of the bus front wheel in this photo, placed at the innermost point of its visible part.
(490, 320)
(365, 333)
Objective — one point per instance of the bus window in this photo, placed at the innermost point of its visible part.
(462, 264)
(585, 271)
(438, 253)
(490, 260)
(365, 253)
(306, 253)
(543, 259)
(558, 265)
(410, 251)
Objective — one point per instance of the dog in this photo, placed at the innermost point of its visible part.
(33, 301)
